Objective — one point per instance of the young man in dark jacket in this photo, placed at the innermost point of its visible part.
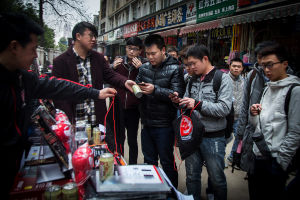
(18, 87)
(157, 79)
(128, 66)
(83, 65)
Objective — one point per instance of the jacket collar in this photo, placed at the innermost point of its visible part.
(7, 76)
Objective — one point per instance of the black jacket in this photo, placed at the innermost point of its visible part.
(17, 89)
(157, 109)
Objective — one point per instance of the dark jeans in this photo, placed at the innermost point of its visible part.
(294, 187)
(212, 152)
(159, 142)
(129, 119)
(267, 181)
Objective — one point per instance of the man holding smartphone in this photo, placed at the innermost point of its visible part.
(157, 79)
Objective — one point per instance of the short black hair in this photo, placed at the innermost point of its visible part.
(155, 39)
(17, 27)
(198, 51)
(236, 59)
(170, 49)
(262, 45)
(81, 27)
(275, 49)
(134, 41)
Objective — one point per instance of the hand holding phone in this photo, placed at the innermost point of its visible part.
(142, 84)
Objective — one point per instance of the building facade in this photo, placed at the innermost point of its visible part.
(228, 27)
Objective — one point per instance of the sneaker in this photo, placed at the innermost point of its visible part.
(226, 164)
(229, 159)
(210, 196)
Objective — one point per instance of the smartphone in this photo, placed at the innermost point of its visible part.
(142, 84)
(172, 95)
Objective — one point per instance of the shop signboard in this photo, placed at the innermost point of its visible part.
(245, 3)
(221, 33)
(130, 30)
(119, 33)
(111, 36)
(105, 37)
(163, 19)
(208, 10)
(191, 11)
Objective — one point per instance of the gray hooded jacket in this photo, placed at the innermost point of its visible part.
(282, 137)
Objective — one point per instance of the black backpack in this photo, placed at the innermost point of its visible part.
(295, 163)
(216, 86)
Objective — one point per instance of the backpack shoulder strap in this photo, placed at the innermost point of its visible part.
(253, 74)
(190, 84)
(217, 81)
(287, 98)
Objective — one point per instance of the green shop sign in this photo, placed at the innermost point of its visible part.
(208, 10)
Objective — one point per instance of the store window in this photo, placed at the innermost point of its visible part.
(102, 28)
(165, 3)
(127, 15)
(152, 6)
(103, 9)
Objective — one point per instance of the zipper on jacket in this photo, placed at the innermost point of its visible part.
(126, 91)
(15, 110)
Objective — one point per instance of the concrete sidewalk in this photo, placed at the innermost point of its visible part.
(236, 185)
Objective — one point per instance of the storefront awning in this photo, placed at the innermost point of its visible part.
(168, 32)
(200, 27)
(273, 13)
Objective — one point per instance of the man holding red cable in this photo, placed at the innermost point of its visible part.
(83, 65)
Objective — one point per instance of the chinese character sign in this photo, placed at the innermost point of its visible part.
(212, 9)
(167, 18)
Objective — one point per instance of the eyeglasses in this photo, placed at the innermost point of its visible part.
(91, 35)
(132, 48)
(269, 65)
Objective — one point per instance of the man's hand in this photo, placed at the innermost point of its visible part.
(188, 102)
(174, 97)
(147, 88)
(255, 109)
(107, 92)
(117, 62)
(136, 62)
(129, 84)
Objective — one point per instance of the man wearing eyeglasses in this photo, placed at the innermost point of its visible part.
(129, 115)
(83, 65)
(253, 88)
(276, 127)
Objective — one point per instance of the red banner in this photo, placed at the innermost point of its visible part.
(130, 30)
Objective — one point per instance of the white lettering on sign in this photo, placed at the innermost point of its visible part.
(170, 17)
(208, 3)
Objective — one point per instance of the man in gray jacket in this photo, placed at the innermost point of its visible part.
(235, 69)
(212, 109)
(276, 127)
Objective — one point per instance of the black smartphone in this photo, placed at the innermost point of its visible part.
(142, 84)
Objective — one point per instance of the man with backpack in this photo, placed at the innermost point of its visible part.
(214, 104)
(276, 120)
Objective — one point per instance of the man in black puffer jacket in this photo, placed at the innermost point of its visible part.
(157, 79)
